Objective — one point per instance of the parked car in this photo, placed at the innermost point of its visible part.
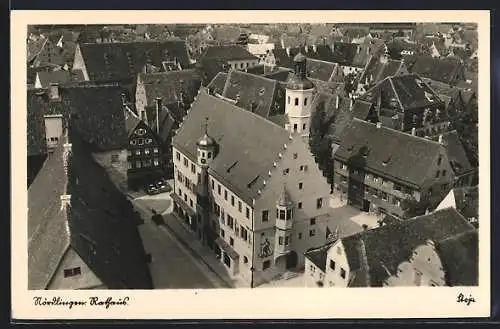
(152, 189)
(163, 186)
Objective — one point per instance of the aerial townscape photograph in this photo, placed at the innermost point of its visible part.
(205, 156)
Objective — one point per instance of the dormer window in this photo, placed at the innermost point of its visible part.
(69, 272)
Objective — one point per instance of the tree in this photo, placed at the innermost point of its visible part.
(412, 207)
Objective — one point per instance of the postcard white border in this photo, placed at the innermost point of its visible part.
(260, 303)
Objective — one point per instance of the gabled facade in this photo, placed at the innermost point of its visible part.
(257, 213)
(144, 153)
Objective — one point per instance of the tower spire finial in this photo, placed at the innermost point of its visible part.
(206, 126)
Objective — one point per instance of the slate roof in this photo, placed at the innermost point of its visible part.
(443, 70)
(256, 93)
(88, 225)
(453, 92)
(169, 85)
(467, 201)
(121, 60)
(322, 53)
(460, 257)
(408, 90)
(228, 53)
(247, 143)
(456, 153)
(400, 240)
(59, 77)
(385, 145)
(208, 68)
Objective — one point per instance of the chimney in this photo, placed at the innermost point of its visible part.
(413, 131)
(379, 125)
(306, 48)
(65, 201)
(158, 109)
(368, 50)
(282, 43)
(54, 91)
(315, 48)
(358, 49)
(337, 99)
(440, 139)
(333, 47)
(288, 51)
(351, 103)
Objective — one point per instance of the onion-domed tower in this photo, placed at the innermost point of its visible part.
(206, 148)
(299, 97)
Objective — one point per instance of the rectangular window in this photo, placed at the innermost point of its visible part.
(193, 168)
(265, 215)
(440, 159)
(244, 233)
(304, 126)
(146, 151)
(155, 150)
(129, 165)
(287, 240)
(295, 155)
(332, 264)
(301, 168)
(156, 162)
(248, 213)
(239, 206)
(209, 155)
(178, 156)
(305, 168)
(138, 164)
(286, 171)
(72, 272)
(231, 241)
(185, 197)
(225, 195)
(180, 192)
(280, 240)
(301, 185)
(319, 203)
(232, 200)
(300, 236)
(230, 221)
(191, 203)
(437, 173)
(312, 221)
(296, 101)
(305, 101)
(299, 205)
(342, 273)
(444, 173)
(213, 184)
(222, 233)
(218, 188)
(384, 196)
(266, 264)
(186, 162)
(312, 232)
(282, 214)
(137, 152)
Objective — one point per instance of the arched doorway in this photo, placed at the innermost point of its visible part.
(291, 260)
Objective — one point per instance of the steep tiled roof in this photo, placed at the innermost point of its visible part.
(318, 52)
(400, 240)
(35, 46)
(217, 83)
(121, 60)
(467, 201)
(279, 75)
(318, 257)
(386, 151)
(321, 70)
(87, 225)
(248, 143)
(228, 53)
(256, 93)
(59, 77)
(380, 70)
(98, 113)
(209, 67)
(460, 257)
(344, 53)
(443, 70)
(408, 90)
(169, 85)
(131, 122)
(456, 153)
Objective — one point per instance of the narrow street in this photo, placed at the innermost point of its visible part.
(173, 265)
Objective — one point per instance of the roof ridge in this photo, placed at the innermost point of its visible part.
(399, 131)
(396, 93)
(226, 83)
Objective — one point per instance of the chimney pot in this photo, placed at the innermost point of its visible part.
(379, 124)
(413, 131)
(440, 139)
